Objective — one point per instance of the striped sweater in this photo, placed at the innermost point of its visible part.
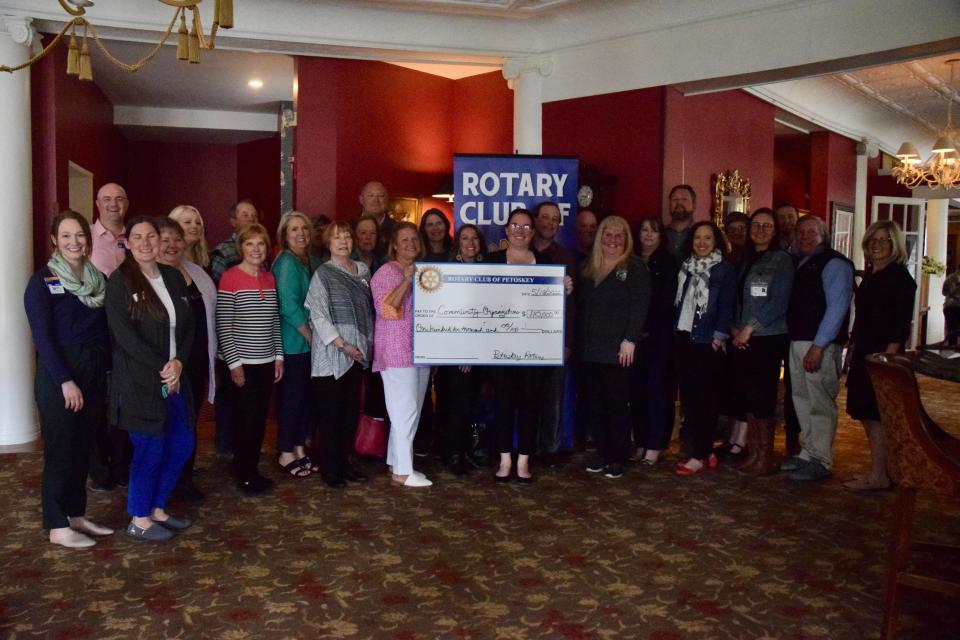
(248, 321)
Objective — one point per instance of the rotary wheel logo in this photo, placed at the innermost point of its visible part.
(429, 279)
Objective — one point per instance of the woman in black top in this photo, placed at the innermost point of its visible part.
(435, 235)
(516, 386)
(884, 309)
(458, 387)
(149, 314)
(203, 302)
(613, 296)
(64, 305)
(655, 387)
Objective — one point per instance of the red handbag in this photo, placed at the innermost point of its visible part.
(371, 438)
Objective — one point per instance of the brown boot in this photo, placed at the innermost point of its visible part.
(752, 446)
(763, 464)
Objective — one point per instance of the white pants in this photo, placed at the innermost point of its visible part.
(403, 391)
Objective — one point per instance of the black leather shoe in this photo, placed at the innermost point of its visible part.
(352, 475)
(335, 482)
(255, 485)
(189, 492)
(455, 465)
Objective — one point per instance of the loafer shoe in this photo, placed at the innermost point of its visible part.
(74, 540)
(794, 463)
(812, 472)
(155, 533)
(596, 467)
(174, 523)
(89, 528)
(352, 475)
(255, 486)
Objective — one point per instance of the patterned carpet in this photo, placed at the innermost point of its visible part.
(573, 556)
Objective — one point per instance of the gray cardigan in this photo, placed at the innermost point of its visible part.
(610, 312)
(141, 348)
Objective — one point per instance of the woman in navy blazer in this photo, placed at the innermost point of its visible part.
(706, 291)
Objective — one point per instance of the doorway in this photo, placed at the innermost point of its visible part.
(80, 190)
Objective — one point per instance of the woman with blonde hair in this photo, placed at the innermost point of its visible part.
(884, 309)
(193, 233)
(293, 269)
(612, 300)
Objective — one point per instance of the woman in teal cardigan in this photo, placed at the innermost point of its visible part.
(293, 269)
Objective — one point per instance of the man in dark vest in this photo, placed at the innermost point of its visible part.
(817, 322)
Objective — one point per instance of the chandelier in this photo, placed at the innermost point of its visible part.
(189, 42)
(942, 168)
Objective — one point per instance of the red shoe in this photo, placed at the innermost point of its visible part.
(685, 471)
(712, 462)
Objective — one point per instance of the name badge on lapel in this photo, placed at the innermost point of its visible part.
(54, 285)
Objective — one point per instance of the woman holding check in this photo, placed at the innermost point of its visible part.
(517, 386)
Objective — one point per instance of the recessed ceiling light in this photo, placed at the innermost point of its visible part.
(255, 84)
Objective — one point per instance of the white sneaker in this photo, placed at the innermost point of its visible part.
(417, 480)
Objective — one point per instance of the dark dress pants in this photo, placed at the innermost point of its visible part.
(699, 369)
(609, 392)
(68, 436)
(250, 404)
(338, 402)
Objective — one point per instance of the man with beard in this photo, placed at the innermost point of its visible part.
(682, 202)
(787, 216)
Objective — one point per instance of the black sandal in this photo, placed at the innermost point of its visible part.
(307, 463)
(296, 468)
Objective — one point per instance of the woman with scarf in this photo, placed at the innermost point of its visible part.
(704, 303)
(64, 304)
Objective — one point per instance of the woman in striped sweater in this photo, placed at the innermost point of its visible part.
(248, 332)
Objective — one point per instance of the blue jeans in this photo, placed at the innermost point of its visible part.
(158, 459)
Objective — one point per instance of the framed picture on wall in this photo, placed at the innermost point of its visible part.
(405, 209)
(841, 234)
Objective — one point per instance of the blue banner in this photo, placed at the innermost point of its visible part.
(488, 188)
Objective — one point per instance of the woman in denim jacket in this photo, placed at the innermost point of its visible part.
(704, 312)
(760, 341)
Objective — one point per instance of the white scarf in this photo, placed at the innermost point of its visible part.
(697, 268)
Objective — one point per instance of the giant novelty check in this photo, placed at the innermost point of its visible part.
(501, 314)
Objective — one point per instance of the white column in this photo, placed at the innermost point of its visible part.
(865, 150)
(937, 249)
(17, 418)
(525, 77)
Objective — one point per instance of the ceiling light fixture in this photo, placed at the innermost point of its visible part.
(942, 168)
(255, 84)
(189, 42)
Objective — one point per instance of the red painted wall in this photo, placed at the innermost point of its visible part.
(258, 178)
(622, 134)
(718, 132)
(368, 120)
(482, 115)
(162, 175)
(72, 121)
(791, 170)
(359, 121)
(833, 172)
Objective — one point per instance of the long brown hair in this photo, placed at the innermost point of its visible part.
(141, 296)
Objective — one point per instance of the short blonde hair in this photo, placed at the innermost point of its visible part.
(898, 246)
(285, 221)
(199, 253)
(255, 229)
(596, 255)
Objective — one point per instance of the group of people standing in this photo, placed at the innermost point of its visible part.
(327, 319)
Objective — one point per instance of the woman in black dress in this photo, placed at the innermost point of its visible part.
(884, 308)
